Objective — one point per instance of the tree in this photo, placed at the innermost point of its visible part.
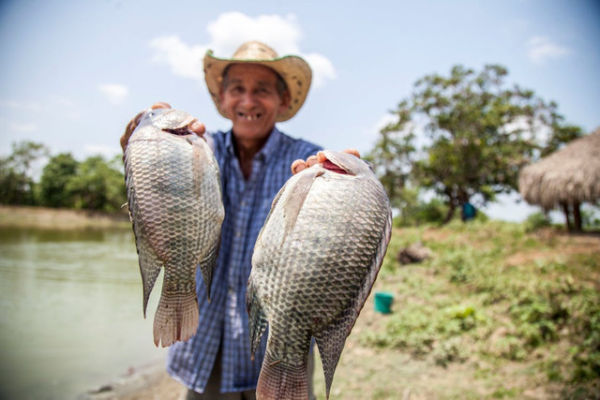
(16, 181)
(59, 170)
(392, 157)
(480, 132)
(98, 185)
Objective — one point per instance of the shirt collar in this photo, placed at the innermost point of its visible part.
(269, 150)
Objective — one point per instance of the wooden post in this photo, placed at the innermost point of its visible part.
(565, 207)
(577, 216)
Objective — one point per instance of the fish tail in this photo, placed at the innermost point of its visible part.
(281, 380)
(176, 318)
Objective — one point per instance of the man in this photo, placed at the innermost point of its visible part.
(254, 89)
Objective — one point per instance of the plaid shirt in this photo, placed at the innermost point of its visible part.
(224, 321)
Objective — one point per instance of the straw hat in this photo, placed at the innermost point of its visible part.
(293, 69)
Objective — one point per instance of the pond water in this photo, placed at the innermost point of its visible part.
(71, 312)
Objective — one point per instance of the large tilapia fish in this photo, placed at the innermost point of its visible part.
(313, 267)
(175, 205)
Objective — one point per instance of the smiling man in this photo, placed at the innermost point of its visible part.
(254, 89)
(252, 97)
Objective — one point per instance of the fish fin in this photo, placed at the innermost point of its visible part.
(176, 317)
(149, 262)
(257, 320)
(150, 267)
(294, 200)
(273, 204)
(330, 342)
(125, 205)
(281, 380)
(207, 266)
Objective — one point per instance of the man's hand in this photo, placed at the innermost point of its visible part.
(195, 126)
(300, 165)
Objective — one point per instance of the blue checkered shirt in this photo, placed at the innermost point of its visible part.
(224, 321)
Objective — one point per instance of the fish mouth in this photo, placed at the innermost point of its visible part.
(249, 116)
(179, 131)
(328, 161)
(328, 165)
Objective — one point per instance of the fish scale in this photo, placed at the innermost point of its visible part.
(174, 198)
(313, 267)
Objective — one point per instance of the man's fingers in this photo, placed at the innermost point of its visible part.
(354, 152)
(160, 104)
(197, 127)
(320, 157)
(312, 160)
(298, 166)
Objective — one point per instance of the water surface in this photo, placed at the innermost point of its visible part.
(71, 312)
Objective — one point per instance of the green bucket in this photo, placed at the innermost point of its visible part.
(383, 302)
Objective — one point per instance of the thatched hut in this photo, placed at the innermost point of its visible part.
(565, 178)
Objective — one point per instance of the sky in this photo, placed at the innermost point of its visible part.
(75, 72)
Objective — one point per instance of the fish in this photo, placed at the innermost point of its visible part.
(313, 266)
(176, 209)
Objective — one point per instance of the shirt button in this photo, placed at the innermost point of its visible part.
(238, 234)
(243, 203)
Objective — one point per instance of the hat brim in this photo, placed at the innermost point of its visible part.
(293, 70)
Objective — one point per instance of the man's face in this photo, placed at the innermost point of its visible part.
(251, 101)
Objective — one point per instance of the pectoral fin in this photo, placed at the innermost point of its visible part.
(257, 320)
(293, 201)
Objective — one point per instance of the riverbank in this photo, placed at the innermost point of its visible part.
(59, 218)
(149, 382)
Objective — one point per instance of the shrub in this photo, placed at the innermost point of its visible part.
(536, 221)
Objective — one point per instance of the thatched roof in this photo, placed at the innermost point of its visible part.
(571, 174)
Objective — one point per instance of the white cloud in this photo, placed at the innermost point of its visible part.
(184, 60)
(541, 49)
(115, 93)
(227, 32)
(232, 28)
(322, 68)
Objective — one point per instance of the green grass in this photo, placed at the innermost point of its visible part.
(497, 293)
